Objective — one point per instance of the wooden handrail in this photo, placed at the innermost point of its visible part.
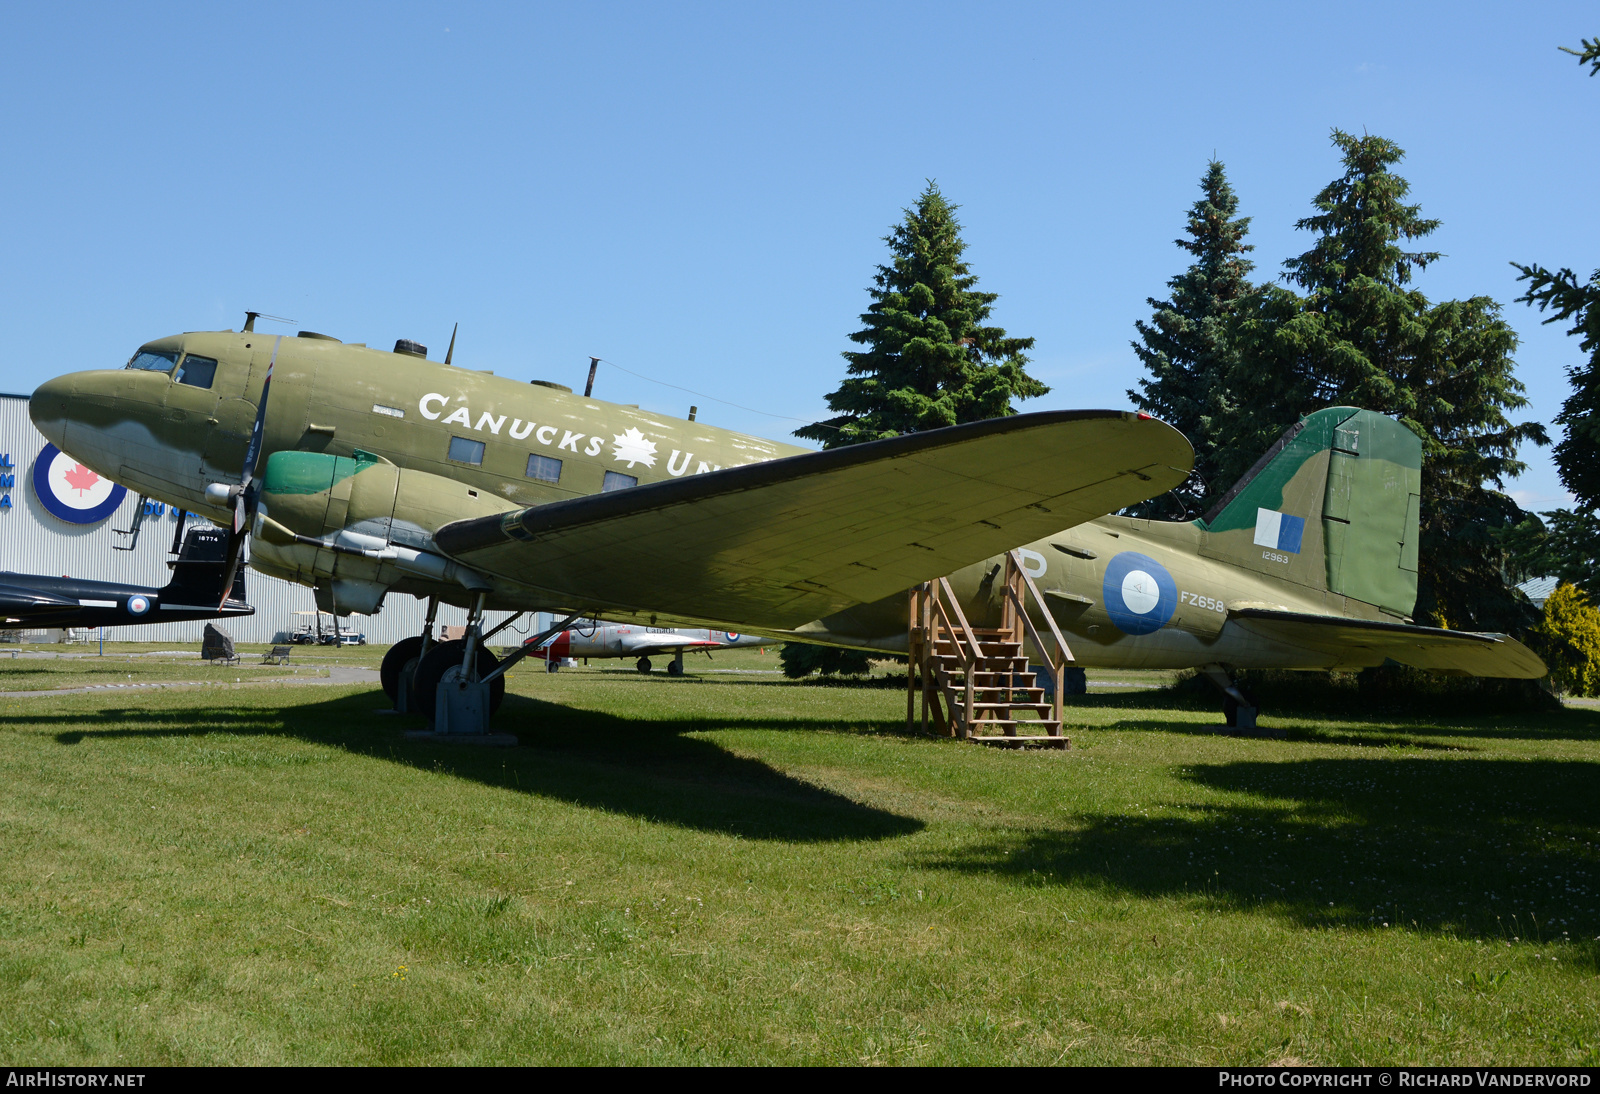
(955, 606)
(1028, 624)
(940, 614)
(1055, 631)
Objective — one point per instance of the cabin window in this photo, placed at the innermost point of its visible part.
(197, 371)
(154, 362)
(616, 480)
(466, 450)
(544, 468)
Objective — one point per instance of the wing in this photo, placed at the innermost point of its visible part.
(1359, 643)
(779, 543)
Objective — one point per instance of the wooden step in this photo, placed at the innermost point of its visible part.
(1020, 697)
(986, 646)
(1005, 706)
(1018, 665)
(1023, 742)
(1031, 723)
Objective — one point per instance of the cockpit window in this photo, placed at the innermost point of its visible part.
(197, 371)
(154, 362)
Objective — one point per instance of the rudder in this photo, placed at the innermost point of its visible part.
(1333, 505)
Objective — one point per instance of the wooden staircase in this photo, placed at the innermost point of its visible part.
(975, 682)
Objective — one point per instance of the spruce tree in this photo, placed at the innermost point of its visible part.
(1565, 545)
(1187, 346)
(1578, 453)
(928, 359)
(1569, 299)
(1363, 336)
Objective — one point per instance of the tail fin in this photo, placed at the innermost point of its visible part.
(201, 568)
(1332, 506)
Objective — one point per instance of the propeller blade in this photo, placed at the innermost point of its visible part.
(252, 454)
(248, 494)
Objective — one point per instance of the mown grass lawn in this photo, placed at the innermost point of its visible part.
(736, 868)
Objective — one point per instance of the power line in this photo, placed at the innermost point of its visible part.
(713, 398)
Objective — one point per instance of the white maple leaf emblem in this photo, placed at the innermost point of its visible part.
(632, 447)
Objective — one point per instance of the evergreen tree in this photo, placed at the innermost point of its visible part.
(1187, 346)
(929, 360)
(1363, 336)
(1569, 299)
(1588, 55)
(1565, 545)
(1576, 453)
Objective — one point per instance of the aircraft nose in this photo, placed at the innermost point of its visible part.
(49, 408)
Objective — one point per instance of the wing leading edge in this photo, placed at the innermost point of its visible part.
(1362, 643)
(779, 543)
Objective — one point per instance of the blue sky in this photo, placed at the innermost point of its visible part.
(698, 192)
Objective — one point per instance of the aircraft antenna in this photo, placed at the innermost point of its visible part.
(451, 351)
(250, 318)
(588, 389)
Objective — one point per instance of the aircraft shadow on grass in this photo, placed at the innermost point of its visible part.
(647, 769)
(1495, 849)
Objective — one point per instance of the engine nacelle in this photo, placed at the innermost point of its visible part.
(357, 526)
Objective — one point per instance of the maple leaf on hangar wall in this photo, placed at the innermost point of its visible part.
(81, 479)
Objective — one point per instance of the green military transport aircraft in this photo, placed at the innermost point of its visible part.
(362, 472)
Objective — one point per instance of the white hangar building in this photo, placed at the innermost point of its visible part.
(52, 524)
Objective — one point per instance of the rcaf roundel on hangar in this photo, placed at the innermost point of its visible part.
(70, 491)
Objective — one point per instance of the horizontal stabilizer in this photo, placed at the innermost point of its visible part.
(782, 542)
(1364, 643)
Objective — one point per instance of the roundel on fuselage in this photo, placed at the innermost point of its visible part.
(1140, 596)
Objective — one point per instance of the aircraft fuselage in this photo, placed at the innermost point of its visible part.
(178, 420)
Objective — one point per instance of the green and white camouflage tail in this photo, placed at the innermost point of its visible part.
(1332, 506)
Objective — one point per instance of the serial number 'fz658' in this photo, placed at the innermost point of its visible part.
(1209, 603)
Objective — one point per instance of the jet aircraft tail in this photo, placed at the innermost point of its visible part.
(1333, 505)
(201, 568)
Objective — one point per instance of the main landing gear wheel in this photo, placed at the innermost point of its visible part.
(643, 664)
(400, 659)
(675, 667)
(443, 657)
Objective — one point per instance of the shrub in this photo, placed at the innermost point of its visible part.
(801, 659)
(1568, 638)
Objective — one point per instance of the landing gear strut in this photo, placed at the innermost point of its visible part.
(461, 683)
(675, 666)
(1238, 708)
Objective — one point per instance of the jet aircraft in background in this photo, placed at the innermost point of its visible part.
(363, 472)
(590, 638)
(199, 580)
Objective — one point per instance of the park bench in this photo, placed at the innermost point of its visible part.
(277, 655)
